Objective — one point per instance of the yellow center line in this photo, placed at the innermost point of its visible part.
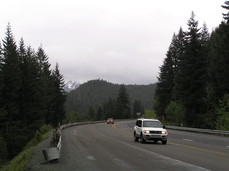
(121, 130)
(180, 145)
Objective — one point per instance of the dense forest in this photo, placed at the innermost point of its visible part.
(101, 98)
(31, 95)
(193, 84)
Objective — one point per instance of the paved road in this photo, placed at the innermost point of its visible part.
(112, 147)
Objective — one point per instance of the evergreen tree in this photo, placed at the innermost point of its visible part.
(226, 6)
(123, 104)
(2, 111)
(218, 70)
(178, 54)
(219, 61)
(109, 108)
(165, 82)
(58, 98)
(99, 114)
(11, 80)
(166, 89)
(137, 108)
(1, 75)
(191, 78)
(3, 150)
(222, 112)
(30, 92)
(91, 114)
(46, 84)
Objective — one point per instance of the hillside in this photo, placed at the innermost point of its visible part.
(95, 92)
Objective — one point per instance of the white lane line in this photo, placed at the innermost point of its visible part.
(123, 164)
(188, 140)
(90, 158)
(165, 159)
(227, 146)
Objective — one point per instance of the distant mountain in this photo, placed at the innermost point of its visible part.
(95, 92)
(71, 85)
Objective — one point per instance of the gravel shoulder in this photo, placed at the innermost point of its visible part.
(38, 162)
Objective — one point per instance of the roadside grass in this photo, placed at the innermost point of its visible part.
(21, 161)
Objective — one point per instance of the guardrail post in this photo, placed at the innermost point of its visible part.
(53, 153)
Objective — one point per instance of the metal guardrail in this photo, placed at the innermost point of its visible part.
(53, 153)
(79, 123)
(207, 131)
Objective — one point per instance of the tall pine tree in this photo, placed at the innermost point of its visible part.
(165, 83)
(166, 90)
(123, 110)
(30, 92)
(58, 97)
(46, 84)
(218, 70)
(178, 54)
(226, 6)
(191, 78)
(109, 108)
(137, 108)
(11, 78)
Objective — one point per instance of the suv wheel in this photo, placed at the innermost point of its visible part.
(164, 142)
(142, 139)
(135, 137)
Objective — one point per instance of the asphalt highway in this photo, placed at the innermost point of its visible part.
(112, 147)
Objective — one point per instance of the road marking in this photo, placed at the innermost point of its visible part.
(122, 163)
(181, 145)
(228, 146)
(90, 158)
(165, 159)
(187, 140)
(121, 130)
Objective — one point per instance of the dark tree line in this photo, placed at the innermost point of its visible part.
(99, 96)
(117, 108)
(31, 94)
(193, 84)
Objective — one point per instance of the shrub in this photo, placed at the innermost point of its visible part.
(149, 114)
(45, 128)
(175, 113)
(222, 112)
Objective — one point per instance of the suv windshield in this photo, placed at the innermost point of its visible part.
(152, 124)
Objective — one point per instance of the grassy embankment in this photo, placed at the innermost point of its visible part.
(21, 161)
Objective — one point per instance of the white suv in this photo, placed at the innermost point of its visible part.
(150, 129)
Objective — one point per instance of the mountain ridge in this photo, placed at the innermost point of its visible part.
(95, 92)
(71, 85)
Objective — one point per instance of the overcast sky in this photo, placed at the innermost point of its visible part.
(121, 41)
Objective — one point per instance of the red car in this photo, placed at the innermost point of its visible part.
(110, 120)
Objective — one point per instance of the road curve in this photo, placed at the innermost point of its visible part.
(112, 147)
